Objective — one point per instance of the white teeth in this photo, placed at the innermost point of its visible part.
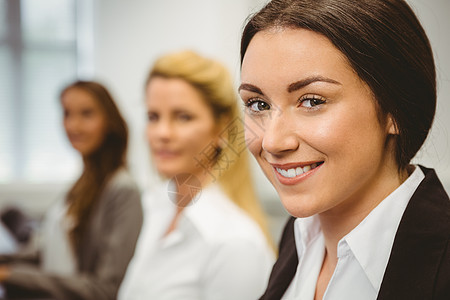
(283, 172)
(291, 173)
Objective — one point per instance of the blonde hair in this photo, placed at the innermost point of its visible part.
(213, 81)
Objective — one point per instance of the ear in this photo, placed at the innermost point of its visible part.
(391, 125)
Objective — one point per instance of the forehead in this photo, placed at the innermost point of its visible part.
(289, 54)
(79, 98)
(173, 93)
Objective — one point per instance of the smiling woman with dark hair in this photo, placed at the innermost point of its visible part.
(341, 95)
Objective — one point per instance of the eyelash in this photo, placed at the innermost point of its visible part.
(250, 102)
(312, 98)
(315, 99)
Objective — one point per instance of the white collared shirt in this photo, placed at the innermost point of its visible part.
(57, 255)
(216, 252)
(363, 253)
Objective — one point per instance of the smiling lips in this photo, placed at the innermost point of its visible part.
(166, 153)
(76, 138)
(296, 171)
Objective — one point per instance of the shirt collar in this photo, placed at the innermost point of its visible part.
(306, 230)
(371, 241)
(206, 213)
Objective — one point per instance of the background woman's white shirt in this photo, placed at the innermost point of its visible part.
(56, 251)
(216, 252)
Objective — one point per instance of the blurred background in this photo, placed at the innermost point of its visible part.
(45, 44)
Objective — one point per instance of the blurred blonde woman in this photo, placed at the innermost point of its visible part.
(205, 234)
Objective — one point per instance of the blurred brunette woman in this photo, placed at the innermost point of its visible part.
(89, 238)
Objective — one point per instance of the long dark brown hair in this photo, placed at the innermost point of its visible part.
(99, 165)
(385, 44)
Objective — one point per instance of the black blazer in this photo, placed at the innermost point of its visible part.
(419, 264)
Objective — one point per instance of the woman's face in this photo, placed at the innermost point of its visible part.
(181, 128)
(84, 120)
(312, 125)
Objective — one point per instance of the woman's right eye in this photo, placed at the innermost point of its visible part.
(257, 105)
(152, 117)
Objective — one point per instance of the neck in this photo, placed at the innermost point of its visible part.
(189, 186)
(187, 189)
(339, 221)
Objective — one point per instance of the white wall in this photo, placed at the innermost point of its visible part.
(436, 152)
(130, 34)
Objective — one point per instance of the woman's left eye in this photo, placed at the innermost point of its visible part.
(185, 117)
(87, 113)
(311, 101)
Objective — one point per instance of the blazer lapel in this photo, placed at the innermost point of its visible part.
(285, 267)
(419, 264)
(420, 244)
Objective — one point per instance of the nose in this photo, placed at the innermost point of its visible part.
(161, 130)
(279, 135)
(71, 123)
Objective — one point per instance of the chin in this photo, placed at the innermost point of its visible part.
(165, 174)
(168, 173)
(299, 207)
(299, 213)
(83, 152)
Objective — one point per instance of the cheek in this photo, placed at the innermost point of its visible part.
(149, 133)
(204, 141)
(98, 130)
(195, 140)
(254, 134)
(350, 138)
(330, 135)
(66, 126)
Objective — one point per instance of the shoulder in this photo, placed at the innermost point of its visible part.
(121, 182)
(421, 245)
(122, 179)
(220, 221)
(430, 205)
(120, 190)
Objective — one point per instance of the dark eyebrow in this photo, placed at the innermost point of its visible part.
(292, 87)
(181, 111)
(250, 88)
(304, 82)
